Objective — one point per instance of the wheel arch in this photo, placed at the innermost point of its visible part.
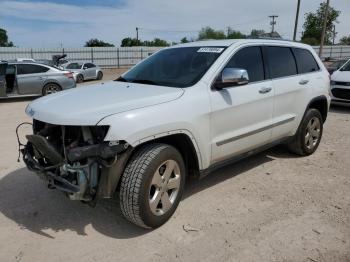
(321, 104)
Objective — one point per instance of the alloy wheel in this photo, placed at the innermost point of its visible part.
(164, 188)
(313, 132)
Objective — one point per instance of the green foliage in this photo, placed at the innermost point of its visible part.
(128, 42)
(4, 39)
(345, 40)
(233, 34)
(210, 33)
(257, 32)
(97, 43)
(314, 22)
(184, 40)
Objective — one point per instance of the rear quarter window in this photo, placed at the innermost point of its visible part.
(305, 61)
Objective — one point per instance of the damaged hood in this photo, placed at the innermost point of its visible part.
(89, 104)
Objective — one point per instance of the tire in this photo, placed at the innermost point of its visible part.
(144, 185)
(51, 88)
(99, 75)
(309, 134)
(80, 78)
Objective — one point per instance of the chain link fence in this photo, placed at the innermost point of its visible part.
(106, 57)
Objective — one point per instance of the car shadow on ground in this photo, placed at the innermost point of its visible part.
(26, 200)
(340, 109)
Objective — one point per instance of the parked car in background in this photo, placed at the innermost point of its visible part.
(32, 79)
(25, 60)
(186, 110)
(340, 85)
(335, 65)
(84, 71)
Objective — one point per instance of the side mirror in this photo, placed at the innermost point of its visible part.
(232, 77)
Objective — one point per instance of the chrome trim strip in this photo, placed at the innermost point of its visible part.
(232, 139)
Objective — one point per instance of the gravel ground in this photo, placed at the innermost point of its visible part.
(270, 207)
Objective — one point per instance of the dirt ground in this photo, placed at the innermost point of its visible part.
(270, 207)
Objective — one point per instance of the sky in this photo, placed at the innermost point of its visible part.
(70, 23)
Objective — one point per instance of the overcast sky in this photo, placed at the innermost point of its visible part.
(52, 23)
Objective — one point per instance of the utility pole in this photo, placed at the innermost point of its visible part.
(334, 35)
(137, 34)
(273, 22)
(325, 17)
(296, 22)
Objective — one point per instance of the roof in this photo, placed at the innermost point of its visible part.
(229, 42)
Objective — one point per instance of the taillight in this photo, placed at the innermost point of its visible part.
(69, 75)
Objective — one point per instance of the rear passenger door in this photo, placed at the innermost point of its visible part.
(30, 78)
(241, 115)
(289, 70)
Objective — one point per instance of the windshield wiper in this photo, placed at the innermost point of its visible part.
(144, 81)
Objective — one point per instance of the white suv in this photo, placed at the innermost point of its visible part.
(184, 110)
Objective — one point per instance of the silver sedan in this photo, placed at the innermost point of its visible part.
(32, 79)
(84, 71)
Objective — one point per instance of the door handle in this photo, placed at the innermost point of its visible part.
(303, 82)
(265, 90)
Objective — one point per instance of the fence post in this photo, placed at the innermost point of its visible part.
(141, 54)
(341, 51)
(118, 57)
(31, 53)
(92, 54)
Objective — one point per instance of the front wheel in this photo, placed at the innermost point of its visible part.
(152, 185)
(309, 134)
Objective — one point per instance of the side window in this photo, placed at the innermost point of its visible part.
(89, 65)
(24, 69)
(305, 61)
(281, 62)
(250, 59)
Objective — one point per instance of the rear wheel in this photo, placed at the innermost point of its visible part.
(51, 88)
(152, 185)
(309, 134)
(80, 78)
(99, 75)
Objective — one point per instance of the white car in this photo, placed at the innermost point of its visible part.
(340, 85)
(84, 71)
(185, 110)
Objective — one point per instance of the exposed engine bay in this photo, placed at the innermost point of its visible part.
(73, 159)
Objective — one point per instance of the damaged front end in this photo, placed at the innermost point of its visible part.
(75, 159)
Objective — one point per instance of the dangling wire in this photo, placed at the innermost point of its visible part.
(19, 141)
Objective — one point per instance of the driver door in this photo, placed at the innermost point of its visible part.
(241, 117)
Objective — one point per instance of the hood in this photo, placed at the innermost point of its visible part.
(88, 105)
(341, 76)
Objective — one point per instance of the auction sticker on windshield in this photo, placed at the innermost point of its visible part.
(210, 50)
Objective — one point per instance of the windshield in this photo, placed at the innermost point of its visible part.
(74, 66)
(175, 67)
(346, 67)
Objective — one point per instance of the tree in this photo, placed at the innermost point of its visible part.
(184, 40)
(128, 42)
(4, 39)
(233, 34)
(210, 33)
(97, 43)
(257, 33)
(345, 40)
(314, 22)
